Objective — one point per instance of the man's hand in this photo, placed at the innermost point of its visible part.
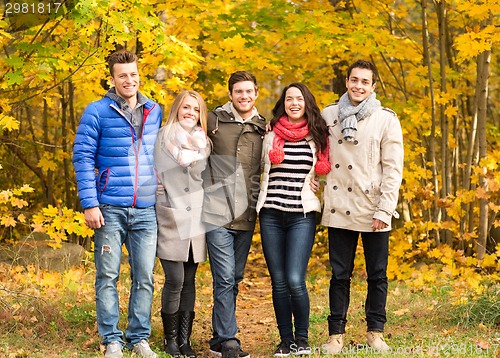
(268, 127)
(94, 218)
(378, 225)
(314, 184)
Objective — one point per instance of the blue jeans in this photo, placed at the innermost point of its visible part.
(136, 228)
(342, 246)
(228, 251)
(287, 240)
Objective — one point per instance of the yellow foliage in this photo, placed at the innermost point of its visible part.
(490, 260)
(59, 223)
(7, 221)
(8, 123)
(47, 164)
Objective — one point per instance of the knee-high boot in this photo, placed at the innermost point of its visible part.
(185, 328)
(170, 329)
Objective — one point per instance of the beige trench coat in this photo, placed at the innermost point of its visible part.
(366, 174)
(179, 203)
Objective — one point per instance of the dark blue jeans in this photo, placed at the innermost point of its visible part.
(228, 252)
(342, 247)
(287, 240)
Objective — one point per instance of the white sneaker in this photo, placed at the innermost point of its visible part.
(143, 350)
(334, 344)
(114, 350)
(376, 341)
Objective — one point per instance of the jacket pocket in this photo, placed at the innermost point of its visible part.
(102, 180)
(215, 205)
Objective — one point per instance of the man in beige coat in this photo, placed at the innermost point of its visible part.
(361, 194)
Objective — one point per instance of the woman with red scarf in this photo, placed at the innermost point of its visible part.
(295, 152)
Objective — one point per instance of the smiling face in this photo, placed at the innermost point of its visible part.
(125, 78)
(188, 114)
(359, 85)
(295, 105)
(243, 97)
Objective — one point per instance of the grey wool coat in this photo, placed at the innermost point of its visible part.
(179, 203)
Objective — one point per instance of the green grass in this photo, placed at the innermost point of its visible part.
(421, 322)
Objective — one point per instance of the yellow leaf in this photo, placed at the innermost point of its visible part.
(47, 164)
(481, 193)
(7, 221)
(235, 44)
(401, 312)
(50, 211)
(20, 203)
(9, 123)
(24, 189)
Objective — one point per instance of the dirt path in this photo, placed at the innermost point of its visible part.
(255, 314)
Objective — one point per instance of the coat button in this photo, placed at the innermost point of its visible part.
(349, 167)
(337, 165)
(349, 189)
(356, 142)
(186, 189)
(367, 191)
(340, 141)
(335, 187)
(348, 212)
(332, 211)
(184, 170)
(188, 208)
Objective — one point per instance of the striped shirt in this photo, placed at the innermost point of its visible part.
(287, 178)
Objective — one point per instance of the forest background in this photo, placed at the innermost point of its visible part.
(439, 71)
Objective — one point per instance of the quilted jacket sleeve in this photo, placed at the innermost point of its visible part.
(84, 156)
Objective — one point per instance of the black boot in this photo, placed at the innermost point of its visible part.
(170, 326)
(185, 328)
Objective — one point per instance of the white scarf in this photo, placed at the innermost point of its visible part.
(185, 147)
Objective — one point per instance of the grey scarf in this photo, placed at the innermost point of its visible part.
(350, 115)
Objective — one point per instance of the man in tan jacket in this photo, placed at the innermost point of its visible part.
(231, 185)
(361, 194)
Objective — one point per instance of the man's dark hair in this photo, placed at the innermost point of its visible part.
(241, 76)
(366, 65)
(122, 56)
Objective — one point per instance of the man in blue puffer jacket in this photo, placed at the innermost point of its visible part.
(113, 160)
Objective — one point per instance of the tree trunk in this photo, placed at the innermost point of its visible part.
(445, 158)
(431, 149)
(483, 70)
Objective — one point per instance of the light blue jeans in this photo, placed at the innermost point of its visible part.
(136, 228)
(228, 251)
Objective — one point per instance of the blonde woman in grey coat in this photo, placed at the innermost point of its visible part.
(181, 152)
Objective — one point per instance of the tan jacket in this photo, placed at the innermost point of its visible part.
(310, 201)
(179, 203)
(366, 174)
(232, 176)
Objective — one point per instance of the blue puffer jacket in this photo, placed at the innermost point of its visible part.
(113, 166)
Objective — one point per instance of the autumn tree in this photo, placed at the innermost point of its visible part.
(433, 59)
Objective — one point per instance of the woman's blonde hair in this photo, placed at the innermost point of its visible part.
(172, 115)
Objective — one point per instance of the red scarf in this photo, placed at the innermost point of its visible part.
(293, 132)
